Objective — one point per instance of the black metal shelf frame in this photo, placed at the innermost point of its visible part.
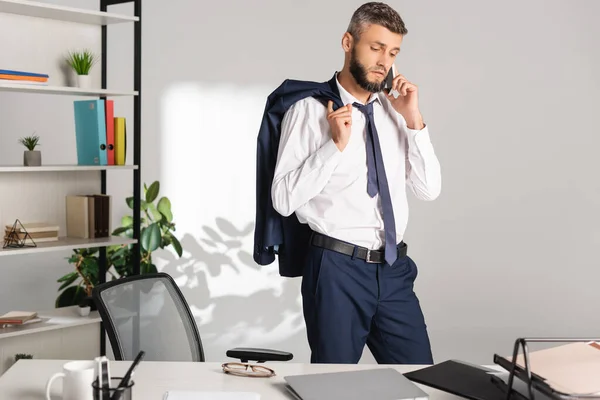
(137, 108)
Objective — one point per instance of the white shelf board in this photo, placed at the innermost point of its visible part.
(55, 168)
(62, 13)
(66, 243)
(58, 318)
(64, 90)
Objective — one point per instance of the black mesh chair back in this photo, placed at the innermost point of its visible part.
(148, 312)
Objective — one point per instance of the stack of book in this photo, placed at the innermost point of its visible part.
(30, 78)
(39, 232)
(88, 216)
(19, 318)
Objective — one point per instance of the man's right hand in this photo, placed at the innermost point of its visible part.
(340, 122)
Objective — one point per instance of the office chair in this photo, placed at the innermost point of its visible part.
(148, 312)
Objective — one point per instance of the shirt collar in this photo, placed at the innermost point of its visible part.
(347, 98)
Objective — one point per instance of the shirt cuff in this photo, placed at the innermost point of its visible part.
(329, 153)
(418, 136)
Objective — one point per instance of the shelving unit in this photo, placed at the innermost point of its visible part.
(58, 168)
(103, 19)
(67, 243)
(73, 91)
(59, 334)
(61, 13)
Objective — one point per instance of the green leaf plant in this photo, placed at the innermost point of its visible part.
(156, 231)
(30, 142)
(81, 61)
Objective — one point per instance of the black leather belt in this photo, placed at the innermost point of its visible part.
(368, 255)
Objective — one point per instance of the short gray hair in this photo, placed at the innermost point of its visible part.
(375, 13)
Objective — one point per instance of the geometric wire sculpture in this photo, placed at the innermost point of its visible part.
(14, 239)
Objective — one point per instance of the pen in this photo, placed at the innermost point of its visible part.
(125, 381)
(103, 377)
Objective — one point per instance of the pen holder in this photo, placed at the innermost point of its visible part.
(114, 393)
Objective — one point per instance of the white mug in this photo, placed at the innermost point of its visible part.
(77, 380)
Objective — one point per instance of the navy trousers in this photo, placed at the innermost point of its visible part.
(348, 303)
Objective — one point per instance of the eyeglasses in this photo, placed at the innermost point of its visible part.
(255, 371)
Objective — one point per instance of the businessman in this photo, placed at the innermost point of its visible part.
(345, 172)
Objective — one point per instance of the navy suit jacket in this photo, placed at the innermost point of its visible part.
(274, 234)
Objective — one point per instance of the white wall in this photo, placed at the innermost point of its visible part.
(508, 90)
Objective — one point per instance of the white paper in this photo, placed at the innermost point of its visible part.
(200, 395)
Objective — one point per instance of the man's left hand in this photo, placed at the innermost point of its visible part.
(407, 103)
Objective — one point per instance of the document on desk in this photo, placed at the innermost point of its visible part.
(572, 368)
(204, 395)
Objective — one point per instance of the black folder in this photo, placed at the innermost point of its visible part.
(462, 379)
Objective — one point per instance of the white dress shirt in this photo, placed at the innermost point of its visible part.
(327, 188)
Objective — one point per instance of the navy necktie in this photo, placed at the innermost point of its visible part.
(377, 182)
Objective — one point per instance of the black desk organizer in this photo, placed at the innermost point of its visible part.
(534, 381)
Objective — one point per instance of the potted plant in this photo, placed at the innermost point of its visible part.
(82, 62)
(23, 356)
(84, 307)
(156, 231)
(31, 157)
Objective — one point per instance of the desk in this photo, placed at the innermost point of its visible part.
(26, 380)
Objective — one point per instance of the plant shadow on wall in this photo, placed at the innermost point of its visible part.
(233, 299)
(156, 231)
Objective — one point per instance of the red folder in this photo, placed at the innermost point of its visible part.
(110, 132)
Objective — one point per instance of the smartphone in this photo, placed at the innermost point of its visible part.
(389, 78)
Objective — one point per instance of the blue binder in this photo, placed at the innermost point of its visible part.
(90, 132)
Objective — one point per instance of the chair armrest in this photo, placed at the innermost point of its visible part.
(246, 354)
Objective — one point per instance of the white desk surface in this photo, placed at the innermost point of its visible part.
(26, 379)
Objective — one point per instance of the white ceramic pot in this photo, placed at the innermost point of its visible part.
(83, 81)
(83, 311)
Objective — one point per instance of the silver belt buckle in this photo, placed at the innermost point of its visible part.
(368, 257)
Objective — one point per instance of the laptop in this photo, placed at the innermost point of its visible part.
(375, 384)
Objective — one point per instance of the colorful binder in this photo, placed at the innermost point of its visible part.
(90, 132)
(109, 106)
(120, 141)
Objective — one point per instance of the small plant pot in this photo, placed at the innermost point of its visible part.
(83, 311)
(32, 158)
(83, 81)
